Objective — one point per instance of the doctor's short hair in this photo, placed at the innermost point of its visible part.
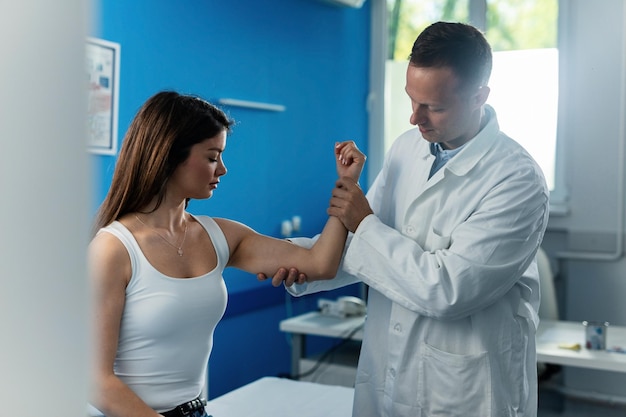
(458, 46)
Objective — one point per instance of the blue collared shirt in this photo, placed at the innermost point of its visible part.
(442, 156)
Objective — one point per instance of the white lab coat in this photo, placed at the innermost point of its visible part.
(454, 288)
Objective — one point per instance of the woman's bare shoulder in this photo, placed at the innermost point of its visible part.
(108, 257)
(232, 227)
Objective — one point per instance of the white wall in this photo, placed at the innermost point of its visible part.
(593, 109)
(591, 266)
(592, 132)
(43, 215)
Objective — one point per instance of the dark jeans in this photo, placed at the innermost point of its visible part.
(198, 413)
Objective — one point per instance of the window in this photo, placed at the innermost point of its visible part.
(524, 81)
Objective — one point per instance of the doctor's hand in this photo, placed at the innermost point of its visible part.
(289, 277)
(348, 203)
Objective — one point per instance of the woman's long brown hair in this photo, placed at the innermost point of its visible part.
(157, 141)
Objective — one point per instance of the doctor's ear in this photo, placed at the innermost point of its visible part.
(481, 95)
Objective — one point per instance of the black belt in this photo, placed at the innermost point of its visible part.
(184, 410)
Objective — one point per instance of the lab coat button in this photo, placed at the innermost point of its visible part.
(398, 327)
(392, 372)
(410, 230)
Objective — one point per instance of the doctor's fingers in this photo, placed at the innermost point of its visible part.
(289, 277)
(341, 206)
(348, 184)
(349, 204)
(347, 189)
(340, 200)
(294, 277)
(345, 213)
(342, 197)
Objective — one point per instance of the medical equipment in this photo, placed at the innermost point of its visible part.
(347, 306)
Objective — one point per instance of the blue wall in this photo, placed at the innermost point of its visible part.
(307, 55)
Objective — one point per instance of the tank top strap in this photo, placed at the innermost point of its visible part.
(120, 231)
(218, 239)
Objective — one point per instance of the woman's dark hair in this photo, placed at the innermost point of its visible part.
(157, 141)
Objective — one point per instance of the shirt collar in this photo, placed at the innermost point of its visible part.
(437, 150)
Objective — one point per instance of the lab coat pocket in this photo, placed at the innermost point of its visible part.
(454, 385)
(435, 241)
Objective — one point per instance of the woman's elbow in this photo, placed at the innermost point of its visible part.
(325, 272)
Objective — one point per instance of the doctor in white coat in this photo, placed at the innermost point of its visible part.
(446, 241)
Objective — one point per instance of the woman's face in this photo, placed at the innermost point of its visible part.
(200, 173)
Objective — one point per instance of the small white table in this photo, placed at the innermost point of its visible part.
(277, 397)
(316, 324)
(550, 335)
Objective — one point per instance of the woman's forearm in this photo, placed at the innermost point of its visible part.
(263, 255)
(116, 399)
(328, 249)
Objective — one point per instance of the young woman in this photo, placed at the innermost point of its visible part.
(157, 269)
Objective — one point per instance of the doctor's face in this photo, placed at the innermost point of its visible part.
(441, 110)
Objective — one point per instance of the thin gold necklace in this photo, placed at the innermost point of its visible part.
(178, 248)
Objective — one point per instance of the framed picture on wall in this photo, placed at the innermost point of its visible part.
(103, 74)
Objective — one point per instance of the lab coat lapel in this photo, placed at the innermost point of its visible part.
(420, 173)
(461, 164)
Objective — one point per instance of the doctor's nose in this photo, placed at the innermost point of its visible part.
(417, 116)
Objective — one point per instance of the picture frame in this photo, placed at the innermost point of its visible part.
(103, 68)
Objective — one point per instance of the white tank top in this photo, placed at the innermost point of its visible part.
(167, 326)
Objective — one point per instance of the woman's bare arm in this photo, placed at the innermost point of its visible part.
(110, 270)
(257, 253)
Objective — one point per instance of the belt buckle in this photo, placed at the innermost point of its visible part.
(193, 405)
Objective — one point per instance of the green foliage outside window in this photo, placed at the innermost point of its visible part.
(511, 24)
(522, 24)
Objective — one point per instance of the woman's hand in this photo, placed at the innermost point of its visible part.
(350, 160)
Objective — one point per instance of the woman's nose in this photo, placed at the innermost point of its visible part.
(222, 169)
